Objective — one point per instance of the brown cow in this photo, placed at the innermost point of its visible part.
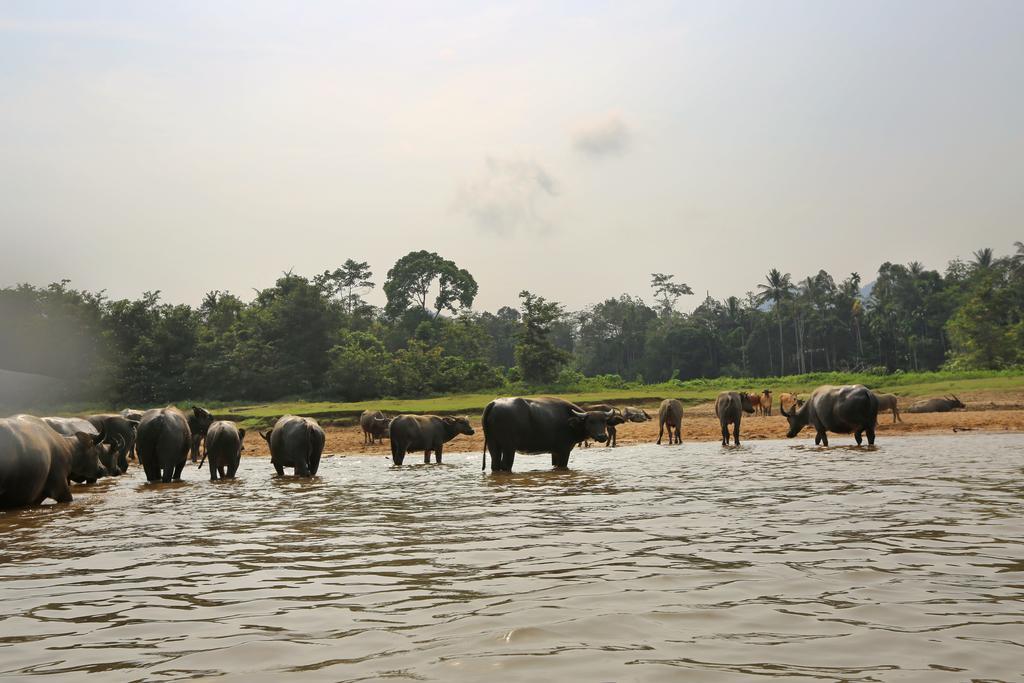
(670, 414)
(889, 402)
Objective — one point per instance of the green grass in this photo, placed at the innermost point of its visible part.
(691, 392)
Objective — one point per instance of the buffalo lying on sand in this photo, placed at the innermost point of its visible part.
(937, 405)
(374, 425)
(427, 433)
(841, 410)
(223, 448)
(296, 442)
(37, 463)
(670, 415)
(538, 425)
(729, 407)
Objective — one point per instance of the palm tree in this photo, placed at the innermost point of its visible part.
(777, 288)
(983, 259)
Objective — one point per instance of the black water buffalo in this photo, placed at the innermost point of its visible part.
(135, 415)
(119, 433)
(670, 415)
(936, 405)
(841, 410)
(427, 433)
(223, 448)
(538, 425)
(163, 443)
(296, 442)
(199, 420)
(36, 462)
(617, 418)
(70, 426)
(374, 425)
(729, 407)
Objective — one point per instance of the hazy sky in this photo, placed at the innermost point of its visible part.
(568, 148)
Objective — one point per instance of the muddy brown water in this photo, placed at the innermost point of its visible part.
(776, 560)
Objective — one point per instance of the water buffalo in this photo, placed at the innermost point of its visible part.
(223, 448)
(36, 462)
(135, 415)
(296, 442)
(936, 405)
(199, 420)
(375, 426)
(538, 425)
(119, 433)
(841, 410)
(889, 402)
(163, 443)
(427, 433)
(670, 415)
(729, 407)
(70, 426)
(617, 418)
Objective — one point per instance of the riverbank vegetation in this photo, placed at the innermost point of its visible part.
(317, 340)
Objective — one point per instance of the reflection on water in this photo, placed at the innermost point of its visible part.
(903, 562)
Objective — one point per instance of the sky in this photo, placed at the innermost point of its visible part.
(568, 148)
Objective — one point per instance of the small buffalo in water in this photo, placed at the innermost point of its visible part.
(199, 420)
(223, 448)
(375, 426)
(37, 463)
(729, 407)
(296, 442)
(538, 425)
(120, 433)
(70, 426)
(427, 433)
(840, 410)
(889, 402)
(670, 416)
(163, 442)
(937, 405)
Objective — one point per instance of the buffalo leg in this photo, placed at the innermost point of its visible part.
(152, 471)
(736, 432)
(279, 469)
(661, 430)
(508, 458)
(611, 436)
(858, 436)
(495, 452)
(214, 470)
(234, 467)
(437, 454)
(871, 436)
(165, 474)
(176, 476)
(824, 439)
(725, 433)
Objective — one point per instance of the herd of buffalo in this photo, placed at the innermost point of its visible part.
(39, 457)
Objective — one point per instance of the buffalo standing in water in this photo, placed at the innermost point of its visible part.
(37, 463)
(296, 442)
(119, 433)
(427, 433)
(199, 420)
(729, 407)
(70, 426)
(538, 425)
(670, 414)
(841, 410)
(937, 405)
(223, 448)
(165, 439)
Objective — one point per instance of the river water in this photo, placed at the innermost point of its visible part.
(649, 563)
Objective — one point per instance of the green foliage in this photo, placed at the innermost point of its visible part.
(409, 282)
(538, 359)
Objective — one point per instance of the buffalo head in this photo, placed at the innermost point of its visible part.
(955, 402)
(85, 459)
(241, 439)
(591, 425)
(459, 425)
(200, 420)
(798, 419)
(745, 403)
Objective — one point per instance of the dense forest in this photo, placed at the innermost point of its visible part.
(317, 337)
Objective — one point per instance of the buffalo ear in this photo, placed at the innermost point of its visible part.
(449, 419)
(575, 420)
(86, 439)
(241, 433)
(266, 435)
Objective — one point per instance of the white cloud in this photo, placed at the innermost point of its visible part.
(608, 136)
(506, 195)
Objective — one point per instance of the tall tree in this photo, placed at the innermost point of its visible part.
(538, 359)
(777, 288)
(666, 292)
(410, 280)
(349, 282)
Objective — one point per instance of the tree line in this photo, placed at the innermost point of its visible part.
(318, 338)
